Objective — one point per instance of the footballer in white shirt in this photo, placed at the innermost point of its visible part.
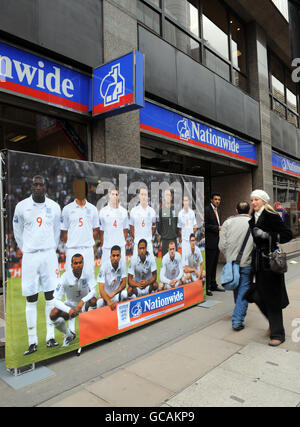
(78, 287)
(171, 269)
(36, 225)
(193, 263)
(112, 280)
(80, 227)
(142, 272)
(113, 227)
(142, 222)
(187, 225)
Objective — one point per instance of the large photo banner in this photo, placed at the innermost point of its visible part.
(94, 250)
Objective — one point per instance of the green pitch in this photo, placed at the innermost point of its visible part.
(16, 329)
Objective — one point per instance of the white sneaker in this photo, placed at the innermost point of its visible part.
(68, 339)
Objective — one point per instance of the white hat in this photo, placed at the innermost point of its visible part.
(261, 194)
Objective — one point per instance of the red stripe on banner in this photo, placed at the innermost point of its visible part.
(196, 143)
(102, 323)
(100, 108)
(34, 93)
(285, 171)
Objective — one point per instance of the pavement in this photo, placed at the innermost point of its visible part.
(190, 359)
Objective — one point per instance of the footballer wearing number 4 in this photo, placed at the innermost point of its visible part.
(36, 225)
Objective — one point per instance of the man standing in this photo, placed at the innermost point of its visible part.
(36, 225)
(80, 226)
(212, 230)
(233, 233)
(79, 290)
(187, 225)
(171, 269)
(167, 225)
(193, 263)
(112, 280)
(142, 272)
(142, 222)
(113, 227)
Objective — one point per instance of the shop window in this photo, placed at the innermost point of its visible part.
(149, 16)
(283, 91)
(182, 41)
(23, 130)
(215, 27)
(238, 44)
(185, 12)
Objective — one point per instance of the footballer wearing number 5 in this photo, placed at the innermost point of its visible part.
(36, 225)
(80, 227)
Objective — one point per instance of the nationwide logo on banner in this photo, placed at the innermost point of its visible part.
(156, 120)
(285, 165)
(146, 308)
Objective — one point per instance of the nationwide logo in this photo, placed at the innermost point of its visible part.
(26, 74)
(112, 87)
(148, 307)
(183, 129)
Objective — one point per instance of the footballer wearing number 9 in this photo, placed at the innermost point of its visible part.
(36, 225)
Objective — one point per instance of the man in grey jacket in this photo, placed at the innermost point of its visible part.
(233, 233)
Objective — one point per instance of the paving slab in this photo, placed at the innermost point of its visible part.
(222, 388)
(82, 398)
(124, 388)
(170, 369)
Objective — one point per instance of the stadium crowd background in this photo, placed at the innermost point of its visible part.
(59, 176)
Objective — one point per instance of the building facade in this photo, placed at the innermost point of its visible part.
(219, 97)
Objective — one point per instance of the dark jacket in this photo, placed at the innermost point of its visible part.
(167, 224)
(211, 228)
(268, 286)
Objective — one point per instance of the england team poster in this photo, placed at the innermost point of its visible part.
(94, 250)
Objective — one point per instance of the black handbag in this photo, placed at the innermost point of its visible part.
(277, 260)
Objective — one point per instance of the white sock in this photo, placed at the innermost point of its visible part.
(31, 319)
(60, 324)
(49, 324)
(72, 325)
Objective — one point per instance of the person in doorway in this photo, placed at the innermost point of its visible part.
(268, 291)
(78, 287)
(36, 225)
(167, 224)
(232, 236)
(212, 219)
(80, 227)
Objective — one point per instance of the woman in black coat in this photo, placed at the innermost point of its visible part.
(268, 290)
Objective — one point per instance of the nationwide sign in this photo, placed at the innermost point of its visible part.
(162, 122)
(118, 86)
(30, 76)
(284, 165)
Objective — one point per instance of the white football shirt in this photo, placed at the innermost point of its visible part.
(193, 260)
(142, 270)
(113, 221)
(74, 289)
(187, 222)
(80, 223)
(142, 220)
(37, 225)
(171, 269)
(110, 277)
